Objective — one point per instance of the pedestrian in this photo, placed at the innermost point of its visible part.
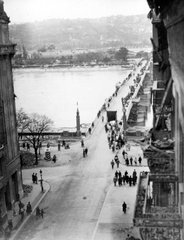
(112, 164)
(59, 146)
(127, 179)
(139, 160)
(33, 178)
(89, 130)
(118, 163)
(37, 212)
(21, 205)
(115, 180)
(106, 128)
(123, 153)
(119, 174)
(54, 158)
(82, 143)
(130, 181)
(124, 207)
(84, 153)
(36, 178)
(116, 158)
(135, 161)
(120, 181)
(113, 148)
(42, 213)
(116, 174)
(123, 178)
(22, 210)
(28, 208)
(134, 177)
(28, 147)
(127, 161)
(131, 160)
(10, 225)
(63, 143)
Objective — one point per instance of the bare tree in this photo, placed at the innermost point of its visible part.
(22, 120)
(35, 124)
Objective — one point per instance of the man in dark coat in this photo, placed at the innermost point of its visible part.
(131, 161)
(28, 208)
(124, 207)
(33, 178)
(130, 181)
(59, 146)
(118, 163)
(86, 151)
(28, 146)
(116, 174)
(115, 180)
(112, 164)
(140, 160)
(36, 178)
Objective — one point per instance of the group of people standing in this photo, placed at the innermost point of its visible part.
(85, 149)
(125, 179)
(26, 145)
(115, 138)
(130, 161)
(35, 178)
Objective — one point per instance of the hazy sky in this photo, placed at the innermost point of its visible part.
(36, 10)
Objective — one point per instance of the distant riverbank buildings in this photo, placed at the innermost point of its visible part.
(10, 168)
(159, 210)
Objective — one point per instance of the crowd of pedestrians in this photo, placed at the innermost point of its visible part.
(124, 179)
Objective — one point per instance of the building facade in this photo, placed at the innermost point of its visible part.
(10, 168)
(159, 211)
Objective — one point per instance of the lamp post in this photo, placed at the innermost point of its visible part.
(41, 181)
(124, 117)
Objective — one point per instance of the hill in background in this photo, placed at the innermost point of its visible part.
(114, 31)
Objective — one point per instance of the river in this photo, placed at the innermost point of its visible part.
(56, 92)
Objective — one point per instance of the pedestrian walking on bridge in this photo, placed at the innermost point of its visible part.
(140, 160)
(112, 164)
(124, 207)
(115, 181)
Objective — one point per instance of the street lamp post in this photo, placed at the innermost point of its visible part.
(124, 117)
(41, 181)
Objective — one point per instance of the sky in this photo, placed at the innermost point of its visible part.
(21, 11)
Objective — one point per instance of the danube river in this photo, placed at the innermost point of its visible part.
(56, 92)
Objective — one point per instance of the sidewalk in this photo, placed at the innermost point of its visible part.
(34, 197)
(112, 222)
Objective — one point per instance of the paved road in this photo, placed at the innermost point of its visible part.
(73, 207)
(76, 197)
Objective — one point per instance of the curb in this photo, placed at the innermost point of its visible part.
(28, 216)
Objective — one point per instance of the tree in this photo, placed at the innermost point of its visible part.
(35, 124)
(121, 54)
(22, 120)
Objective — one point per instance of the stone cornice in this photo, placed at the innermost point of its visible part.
(6, 49)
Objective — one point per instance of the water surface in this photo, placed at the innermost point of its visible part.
(55, 92)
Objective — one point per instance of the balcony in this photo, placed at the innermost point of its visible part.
(155, 203)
